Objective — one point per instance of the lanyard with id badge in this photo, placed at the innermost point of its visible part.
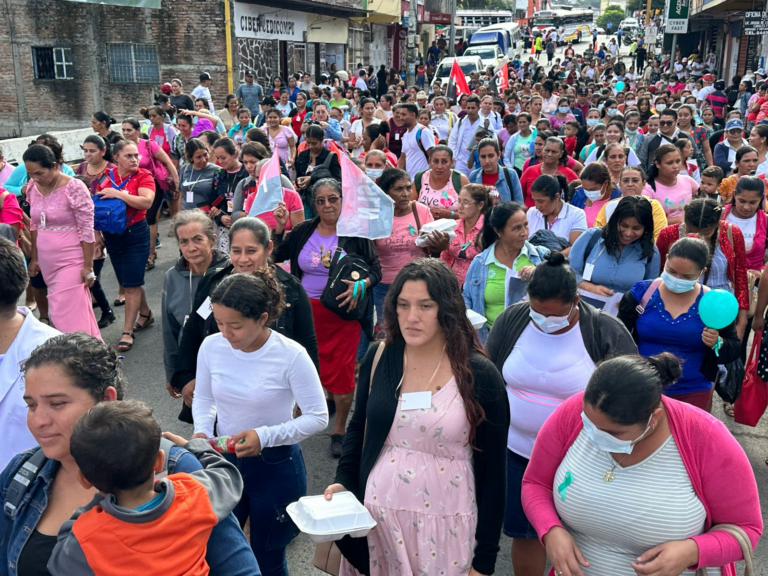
(421, 400)
(589, 267)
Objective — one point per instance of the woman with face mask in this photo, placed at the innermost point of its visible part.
(561, 116)
(670, 320)
(537, 381)
(614, 133)
(595, 191)
(623, 444)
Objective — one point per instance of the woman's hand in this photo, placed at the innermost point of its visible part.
(176, 439)
(88, 276)
(333, 489)
(111, 193)
(226, 220)
(438, 241)
(172, 391)
(33, 269)
(709, 336)
(289, 163)
(758, 323)
(525, 273)
(302, 182)
(438, 213)
(563, 552)
(188, 393)
(380, 143)
(280, 215)
(348, 298)
(247, 443)
(595, 288)
(202, 435)
(213, 212)
(668, 559)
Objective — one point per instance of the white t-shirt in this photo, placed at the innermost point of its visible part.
(360, 83)
(357, 130)
(748, 228)
(570, 219)
(204, 92)
(415, 160)
(257, 390)
(538, 381)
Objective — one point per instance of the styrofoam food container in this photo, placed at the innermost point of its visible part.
(326, 520)
(477, 320)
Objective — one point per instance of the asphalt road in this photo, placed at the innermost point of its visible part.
(144, 366)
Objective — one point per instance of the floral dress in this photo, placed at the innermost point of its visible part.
(421, 492)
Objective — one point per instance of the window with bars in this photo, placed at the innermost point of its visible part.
(52, 63)
(133, 63)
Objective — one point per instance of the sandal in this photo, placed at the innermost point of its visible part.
(728, 409)
(118, 302)
(151, 262)
(45, 320)
(150, 319)
(124, 345)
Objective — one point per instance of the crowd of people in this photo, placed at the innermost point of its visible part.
(586, 210)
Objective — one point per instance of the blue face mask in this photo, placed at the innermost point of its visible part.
(374, 173)
(630, 132)
(593, 121)
(677, 285)
(563, 109)
(608, 442)
(612, 111)
(600, 106)
(550, 324)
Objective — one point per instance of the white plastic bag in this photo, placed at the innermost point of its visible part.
(445, 225)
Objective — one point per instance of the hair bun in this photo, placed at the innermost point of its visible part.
(668, 367)
(556, 258)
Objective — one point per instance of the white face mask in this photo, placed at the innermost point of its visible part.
(593, 195)
(550, 324)
(374, 173)
(608, 442)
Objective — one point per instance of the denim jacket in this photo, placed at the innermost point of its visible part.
(228, 551)
(474, 282)
(516, 194)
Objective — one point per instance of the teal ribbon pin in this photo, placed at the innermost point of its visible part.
(566, 482)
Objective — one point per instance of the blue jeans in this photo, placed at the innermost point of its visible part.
(379, 291)
(272, 480)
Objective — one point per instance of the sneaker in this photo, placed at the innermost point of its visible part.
(337, 441)
(158, 244)
(106, 319)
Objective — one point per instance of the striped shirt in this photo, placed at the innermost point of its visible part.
(647, 504)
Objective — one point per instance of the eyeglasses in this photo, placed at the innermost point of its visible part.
(466, 202)
(667, 123)
(330, 199)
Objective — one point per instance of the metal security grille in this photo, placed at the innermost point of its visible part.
(52, 63)
(133, 63)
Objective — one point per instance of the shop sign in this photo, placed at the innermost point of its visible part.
(265, 23)
(437, 18)
(677, 16)
(755, 23)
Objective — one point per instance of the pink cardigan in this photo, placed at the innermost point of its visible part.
(719, 470)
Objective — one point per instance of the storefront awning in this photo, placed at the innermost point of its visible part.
(712, 7)
(324, 7)
(383, 11)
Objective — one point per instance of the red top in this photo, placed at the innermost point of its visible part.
(10, 211)
(490, 179)
(730, 498)
(735, 255)
(297, 120)
(530, 174)
(139, 179)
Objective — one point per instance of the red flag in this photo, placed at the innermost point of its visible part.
(458, 79)
(503, 74)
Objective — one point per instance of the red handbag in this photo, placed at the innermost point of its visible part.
(753, 400)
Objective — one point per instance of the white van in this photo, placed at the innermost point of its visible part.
(468, 64)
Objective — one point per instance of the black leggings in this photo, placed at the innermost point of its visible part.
(96, 290)
(156, 203)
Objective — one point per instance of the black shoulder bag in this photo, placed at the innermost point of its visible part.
(348, 267)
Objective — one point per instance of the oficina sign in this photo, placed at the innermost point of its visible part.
(265, 23)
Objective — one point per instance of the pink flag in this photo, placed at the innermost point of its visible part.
(366, 211)
(269, 192)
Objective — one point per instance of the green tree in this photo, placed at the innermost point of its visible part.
(613, 14)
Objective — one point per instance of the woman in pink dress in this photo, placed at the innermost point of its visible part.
(61, 222)
(424, 450)
(281, 138)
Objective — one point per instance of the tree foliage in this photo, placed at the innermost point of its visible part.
(613, 14)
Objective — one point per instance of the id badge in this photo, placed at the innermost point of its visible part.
(42, 219)
(190, 197)
(397, 136)
(230, 204)
(205, 309)
(588, 270)
(416, 400)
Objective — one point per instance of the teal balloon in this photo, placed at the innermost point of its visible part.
(619, 86)
(718, 309)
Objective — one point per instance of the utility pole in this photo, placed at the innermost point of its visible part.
(412, 50)
(647, 13)
(452, 35)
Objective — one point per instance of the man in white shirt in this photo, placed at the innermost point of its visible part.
(487, 112)
(415, 155)
(443, 120)
(708, 80)
(361, 83)
(462, 137)
(202, 90)
(367, 107)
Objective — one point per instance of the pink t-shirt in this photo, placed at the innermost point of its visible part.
(400, 247)
(447, 197)
(673, 198)
(293, 204)
(67, 207)
(592, 211)
(5, 172)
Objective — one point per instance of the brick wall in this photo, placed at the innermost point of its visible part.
(189, 35)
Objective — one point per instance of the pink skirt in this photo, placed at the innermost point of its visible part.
(61, 260)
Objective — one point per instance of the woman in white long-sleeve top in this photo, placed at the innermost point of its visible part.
(248, 378)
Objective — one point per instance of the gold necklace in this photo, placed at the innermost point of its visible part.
(609, 476)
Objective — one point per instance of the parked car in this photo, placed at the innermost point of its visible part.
(468, 64)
